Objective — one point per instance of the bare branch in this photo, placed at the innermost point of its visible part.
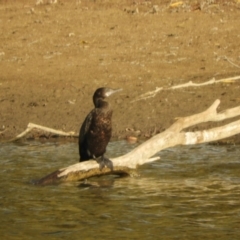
(32, 126)
(185, 85)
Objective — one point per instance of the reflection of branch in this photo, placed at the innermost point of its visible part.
(142, 154)
(32, 126)
(184, 85)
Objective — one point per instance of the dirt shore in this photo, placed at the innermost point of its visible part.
(53, 57)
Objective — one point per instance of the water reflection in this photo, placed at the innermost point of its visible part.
(191, 193)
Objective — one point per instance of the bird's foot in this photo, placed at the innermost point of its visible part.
(105, 162)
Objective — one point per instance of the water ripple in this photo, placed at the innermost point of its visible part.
(191, 192)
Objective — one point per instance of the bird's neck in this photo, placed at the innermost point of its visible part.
(101, 103)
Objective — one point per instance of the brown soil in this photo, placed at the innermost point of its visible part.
(53, 57)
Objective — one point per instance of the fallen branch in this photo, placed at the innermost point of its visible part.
(32, 126)
(142, 154)
(185, 85)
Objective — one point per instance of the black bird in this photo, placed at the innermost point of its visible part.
(96, 130)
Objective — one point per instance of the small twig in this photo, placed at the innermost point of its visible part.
(2, 131)
(226, 58)
(148, 94)
(36, 41)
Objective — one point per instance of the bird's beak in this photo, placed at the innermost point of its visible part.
(110, 91)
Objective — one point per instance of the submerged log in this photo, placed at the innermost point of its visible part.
(142, 154)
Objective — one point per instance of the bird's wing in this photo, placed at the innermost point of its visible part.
(85, 127)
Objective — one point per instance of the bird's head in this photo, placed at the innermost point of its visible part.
(102, 93)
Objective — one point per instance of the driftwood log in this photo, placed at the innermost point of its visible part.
(142, 154)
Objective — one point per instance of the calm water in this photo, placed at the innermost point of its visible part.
(191, 193)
